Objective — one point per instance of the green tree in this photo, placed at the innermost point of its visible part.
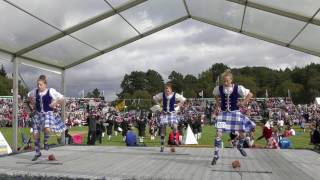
(154, 82)
(294, 88)
(216, 70)
(177, 81)
(135, 81)
(313, 87)
(144, 100)
(96, 93)
(3, 72)
(247, 82)
(189, 93)
(89, 95)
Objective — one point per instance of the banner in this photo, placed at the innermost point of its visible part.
(120, 106)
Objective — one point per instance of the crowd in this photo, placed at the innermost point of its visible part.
(279, 115)
(6, 113)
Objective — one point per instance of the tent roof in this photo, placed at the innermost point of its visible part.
(59, 34)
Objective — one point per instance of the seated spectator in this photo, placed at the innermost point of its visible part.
(289, 132)
(285, 143)
(131, 137)
(171, 139)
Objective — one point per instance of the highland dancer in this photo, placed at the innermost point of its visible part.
(43, 100)
(229, 117)
(168, 115)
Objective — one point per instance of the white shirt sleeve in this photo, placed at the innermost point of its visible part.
(158, 97)
(242, 91)
(216, 91)
(180, 98)
(55, 94)
(32, 93)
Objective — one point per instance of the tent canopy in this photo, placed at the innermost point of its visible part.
(59, 34)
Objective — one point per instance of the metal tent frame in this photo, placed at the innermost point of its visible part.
(296, 29)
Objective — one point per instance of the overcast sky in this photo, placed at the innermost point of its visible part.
(189, 47)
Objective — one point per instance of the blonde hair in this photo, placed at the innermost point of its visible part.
(227, 72)
(42, 78)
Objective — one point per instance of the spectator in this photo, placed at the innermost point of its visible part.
(171, 139)
(131, 137)
(289, 132)
(314, 135)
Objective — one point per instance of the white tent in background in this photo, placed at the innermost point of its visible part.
(317, 101)
(189, 138)
(4, 146)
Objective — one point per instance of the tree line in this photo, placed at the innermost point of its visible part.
(6, 84)
(301, 84)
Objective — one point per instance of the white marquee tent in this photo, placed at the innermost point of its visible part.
(32, 33)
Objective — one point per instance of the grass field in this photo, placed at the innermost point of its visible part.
(300, 141)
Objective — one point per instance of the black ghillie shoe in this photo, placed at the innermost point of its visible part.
(242, 152)
(161, 149)
(35, 157)
(214, 161)
(46, 147)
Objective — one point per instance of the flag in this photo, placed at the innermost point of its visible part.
(218, 81)
(201, 93)
(81, 93)
(267, 93)
(120, 105)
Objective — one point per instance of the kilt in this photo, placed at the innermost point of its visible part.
(43, 120)
(168, 118)
(234, 121)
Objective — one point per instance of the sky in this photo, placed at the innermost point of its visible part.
(189, 47)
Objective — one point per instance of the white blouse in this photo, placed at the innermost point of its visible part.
(53, 93)
(159, 98)
(242, 91)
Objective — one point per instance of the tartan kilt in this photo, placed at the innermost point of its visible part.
(168, 118)
(234, 121)
(43, 120)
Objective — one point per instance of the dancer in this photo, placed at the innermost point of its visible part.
(229, 117)
(169, 115)
(43, 100)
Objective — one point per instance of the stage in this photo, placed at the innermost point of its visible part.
(98, 162)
